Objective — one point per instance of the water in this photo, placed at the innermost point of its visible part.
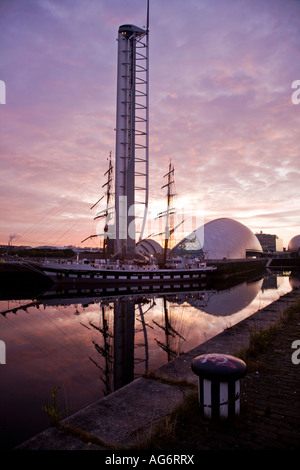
(90, 346)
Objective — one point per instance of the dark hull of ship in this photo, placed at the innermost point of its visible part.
(19, 279)
(107, 277)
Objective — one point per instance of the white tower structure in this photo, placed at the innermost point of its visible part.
(132, 137)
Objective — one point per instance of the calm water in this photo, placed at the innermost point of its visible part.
(90, 346)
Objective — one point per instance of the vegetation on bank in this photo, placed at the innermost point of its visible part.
(53, 410)
(62, 253)
(261, 340)
(38, 253)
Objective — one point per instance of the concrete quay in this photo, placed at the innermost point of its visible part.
(125, 419)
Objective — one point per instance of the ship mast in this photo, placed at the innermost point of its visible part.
(108, 209)
(170, 210)
(106, 213)
(169, 213)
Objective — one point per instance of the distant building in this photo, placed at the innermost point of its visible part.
(269, 242)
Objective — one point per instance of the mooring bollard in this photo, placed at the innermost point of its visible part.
(219, 384)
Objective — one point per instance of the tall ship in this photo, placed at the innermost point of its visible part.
(114, 269)
(119, 262)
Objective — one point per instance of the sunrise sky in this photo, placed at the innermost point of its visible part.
(221, 74)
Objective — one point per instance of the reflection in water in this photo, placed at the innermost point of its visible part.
(295, 280)
(106, 351)
(228, 301)
(123, 342)
(91, 346)
(170, 333)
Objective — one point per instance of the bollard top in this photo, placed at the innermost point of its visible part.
(221, 367)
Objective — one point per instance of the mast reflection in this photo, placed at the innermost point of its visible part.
(131, 328)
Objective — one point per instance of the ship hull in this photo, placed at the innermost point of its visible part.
(62, 276)
(19, 279)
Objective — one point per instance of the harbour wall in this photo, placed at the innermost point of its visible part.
(243, 267)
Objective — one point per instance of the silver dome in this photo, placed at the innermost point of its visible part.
(294, 245)
(218, 239)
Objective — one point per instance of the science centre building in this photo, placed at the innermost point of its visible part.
(219, 239)
(294, 246)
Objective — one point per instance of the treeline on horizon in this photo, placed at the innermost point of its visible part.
(38, 252)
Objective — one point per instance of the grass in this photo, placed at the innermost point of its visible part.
(53, 411)
(167, 433)
(261, 340)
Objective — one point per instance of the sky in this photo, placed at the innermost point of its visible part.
(222, 108)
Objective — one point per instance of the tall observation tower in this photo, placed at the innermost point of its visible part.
(132, 137)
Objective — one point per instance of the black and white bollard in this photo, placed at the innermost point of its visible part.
(219, 384)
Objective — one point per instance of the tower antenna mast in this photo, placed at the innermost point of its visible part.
(132, 136)
(147, 130)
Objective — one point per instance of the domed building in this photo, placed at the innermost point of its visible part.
(219, 239)
(294, 246)
(148, 247)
